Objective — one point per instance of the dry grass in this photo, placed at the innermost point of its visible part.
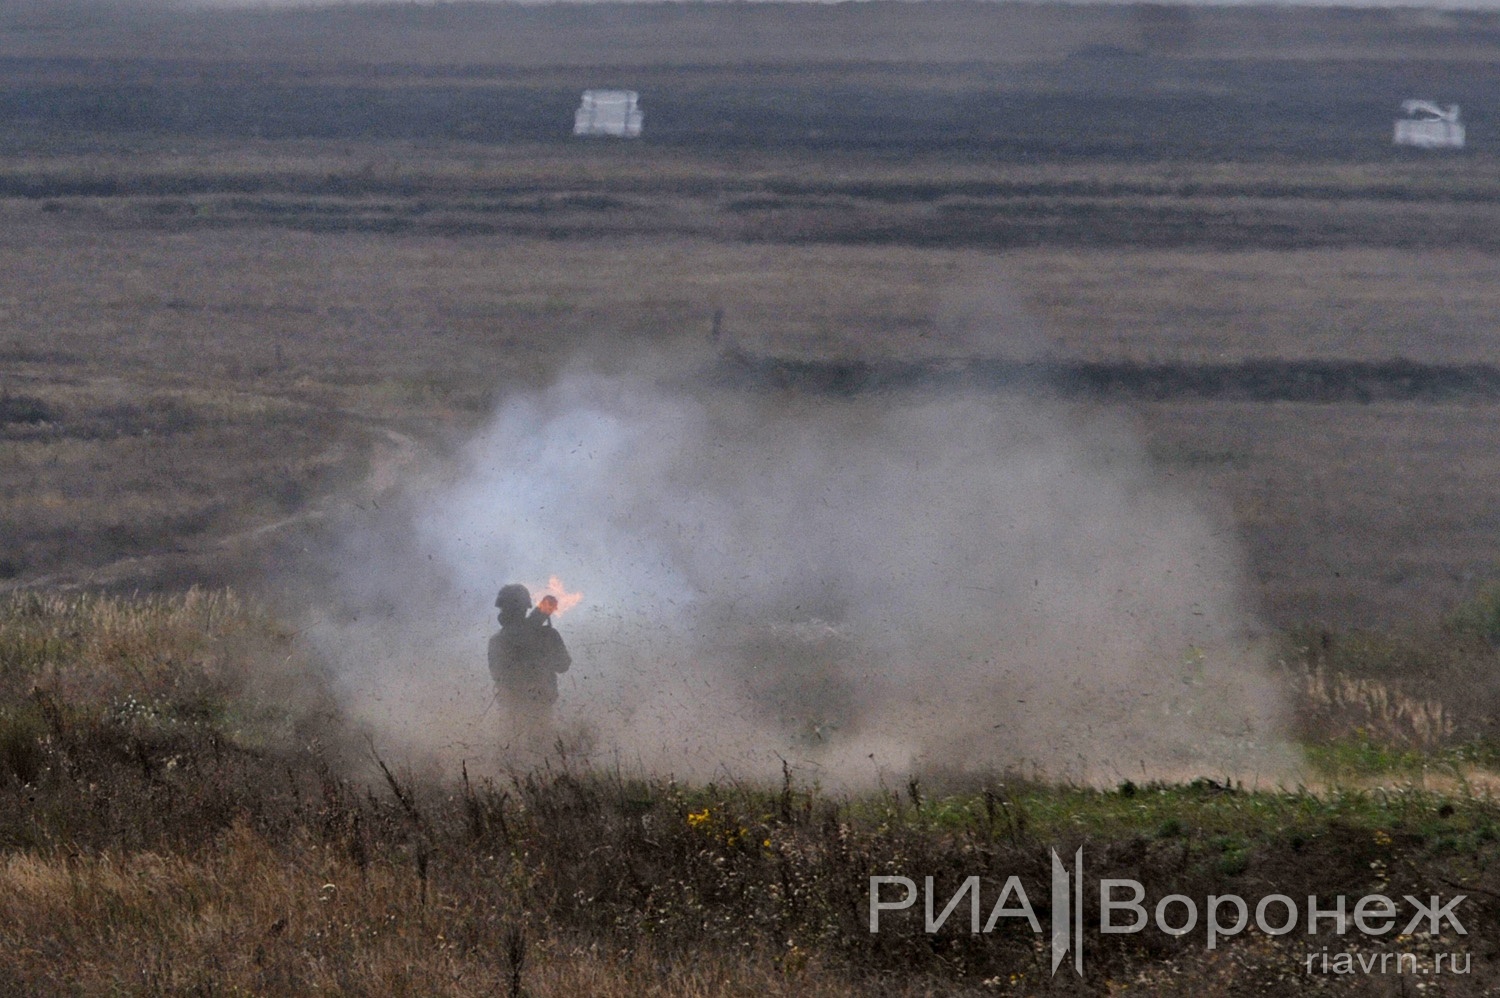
(1370, 515)
(101, 470)
(266, 339)
(1372, 708)
(1202, 306)
(276, 306)
(183, 811)
(246, 916)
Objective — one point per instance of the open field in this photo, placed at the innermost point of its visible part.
(1353, 513)
(839, 195)
(264, 275)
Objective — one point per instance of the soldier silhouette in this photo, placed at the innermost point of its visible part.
(525, 658)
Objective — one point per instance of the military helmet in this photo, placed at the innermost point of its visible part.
(514, 597)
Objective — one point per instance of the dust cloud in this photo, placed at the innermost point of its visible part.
(862, 586)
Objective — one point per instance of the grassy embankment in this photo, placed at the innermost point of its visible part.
(182, 810)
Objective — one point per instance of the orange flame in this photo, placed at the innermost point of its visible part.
(558, 593)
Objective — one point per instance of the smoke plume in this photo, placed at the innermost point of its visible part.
(863, 586)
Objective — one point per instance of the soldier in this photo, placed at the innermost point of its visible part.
(525, 658)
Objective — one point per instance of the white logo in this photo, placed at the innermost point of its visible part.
(1064, 900)
(1122, 910)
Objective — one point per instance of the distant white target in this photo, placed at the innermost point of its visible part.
(609, 112)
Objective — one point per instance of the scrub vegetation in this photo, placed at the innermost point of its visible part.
(261, 269)
(186, 811)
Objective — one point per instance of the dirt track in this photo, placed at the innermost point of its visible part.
(392, 454)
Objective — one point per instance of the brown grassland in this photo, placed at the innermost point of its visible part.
(257, 268)
(185, 813)
(281, 350)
